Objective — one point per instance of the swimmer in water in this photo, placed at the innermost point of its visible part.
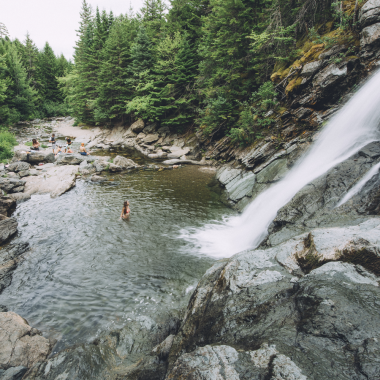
(125, 211)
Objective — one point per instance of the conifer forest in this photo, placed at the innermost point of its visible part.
(210, 65)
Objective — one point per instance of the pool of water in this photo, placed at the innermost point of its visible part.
(87, 270)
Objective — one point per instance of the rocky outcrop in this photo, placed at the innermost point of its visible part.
(315, 204)
(370, 13)
(8, 228)
(9, 259)
(261, 299)
(18, 166)
(125, 163)
(33, 157)
(56, 181)
(21, 345)
(12, 185)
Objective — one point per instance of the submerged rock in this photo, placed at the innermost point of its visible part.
(9, 258)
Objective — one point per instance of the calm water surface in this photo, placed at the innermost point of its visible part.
(88, 271)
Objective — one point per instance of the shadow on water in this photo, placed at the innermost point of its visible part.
(88, 270)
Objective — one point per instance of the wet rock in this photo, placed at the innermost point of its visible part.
(14, 373)
(190, 162)
(155, 156)
(370, 35)
(114, 168)
(9, 258)
(284, 322)
(370, 13)
(101, 165)
(125, 163)
(8, 227)
(18, 166)
(314, 205)
(302, 112)
(311, 68)
(96, 178)
(34, 157)
(7, 205)
(225, 363)
(137, 126)
(21, 346)
(20, 197)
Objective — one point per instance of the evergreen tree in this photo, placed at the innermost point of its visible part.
(154, 18)
(47, 70)
(29, 59)
(115, 86)
(20, 97)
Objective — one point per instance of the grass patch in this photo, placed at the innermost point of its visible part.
(29, 143)
(44, 146)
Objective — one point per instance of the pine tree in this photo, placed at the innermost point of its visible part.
(47, 72)
(20, 97)
(115, 87)
(154, 18)
(3, 31)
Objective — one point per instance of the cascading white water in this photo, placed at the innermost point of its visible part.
(355, 125)
(371, 172)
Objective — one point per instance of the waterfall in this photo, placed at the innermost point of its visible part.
(353, 127)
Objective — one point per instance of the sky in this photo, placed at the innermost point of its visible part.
(54, 21)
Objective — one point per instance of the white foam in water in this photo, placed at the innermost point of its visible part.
(355, 125)
(360, 184)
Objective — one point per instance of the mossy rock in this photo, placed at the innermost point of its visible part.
(293, 85)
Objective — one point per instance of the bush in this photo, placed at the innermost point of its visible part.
(7, 142)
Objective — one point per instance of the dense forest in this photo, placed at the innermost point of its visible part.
(205, 64)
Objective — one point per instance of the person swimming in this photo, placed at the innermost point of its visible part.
(125, 212)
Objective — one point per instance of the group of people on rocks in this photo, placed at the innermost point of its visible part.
(58, 149)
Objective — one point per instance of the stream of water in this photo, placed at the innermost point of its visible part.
(355, 125)
(88, 271)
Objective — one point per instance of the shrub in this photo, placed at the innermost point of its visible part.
(7, 142)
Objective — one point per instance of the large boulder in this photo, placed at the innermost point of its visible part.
(101, 165)
(137, 126)
(21, 345)
(33, 157)
(72, 159)
(293, 300)
(125, 163)
(8, 227)
(151, 138)
(370, 13)
(311, 68)
(18, 166)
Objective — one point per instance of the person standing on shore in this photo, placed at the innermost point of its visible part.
(52, 141)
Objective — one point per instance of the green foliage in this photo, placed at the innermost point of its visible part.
(7, 142)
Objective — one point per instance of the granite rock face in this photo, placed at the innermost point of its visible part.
(21, 345)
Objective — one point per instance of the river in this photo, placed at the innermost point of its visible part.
(88, 271)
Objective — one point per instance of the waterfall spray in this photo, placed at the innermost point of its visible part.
(354, 126)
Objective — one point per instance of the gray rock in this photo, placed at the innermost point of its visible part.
(183, 162)
(330, 76)
(114, 168)
(33, 172)
(333, 51)
(311, 68)
(9, 258)
(20, 197)
(24, 173)
(370, 35)
(96, 178)
(8, 227)
(14, 373)
(20, 345)
(137, 126)
(13, 175)
(370, 13)
(125, 163)
(18, 166)
(150, 128)
(70, 159)
(34, 157)
(225, 363)
(151, 138)
(163, 131)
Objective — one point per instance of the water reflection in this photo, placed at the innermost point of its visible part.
(88, 270)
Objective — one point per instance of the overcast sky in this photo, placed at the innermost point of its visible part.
(54, 21)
